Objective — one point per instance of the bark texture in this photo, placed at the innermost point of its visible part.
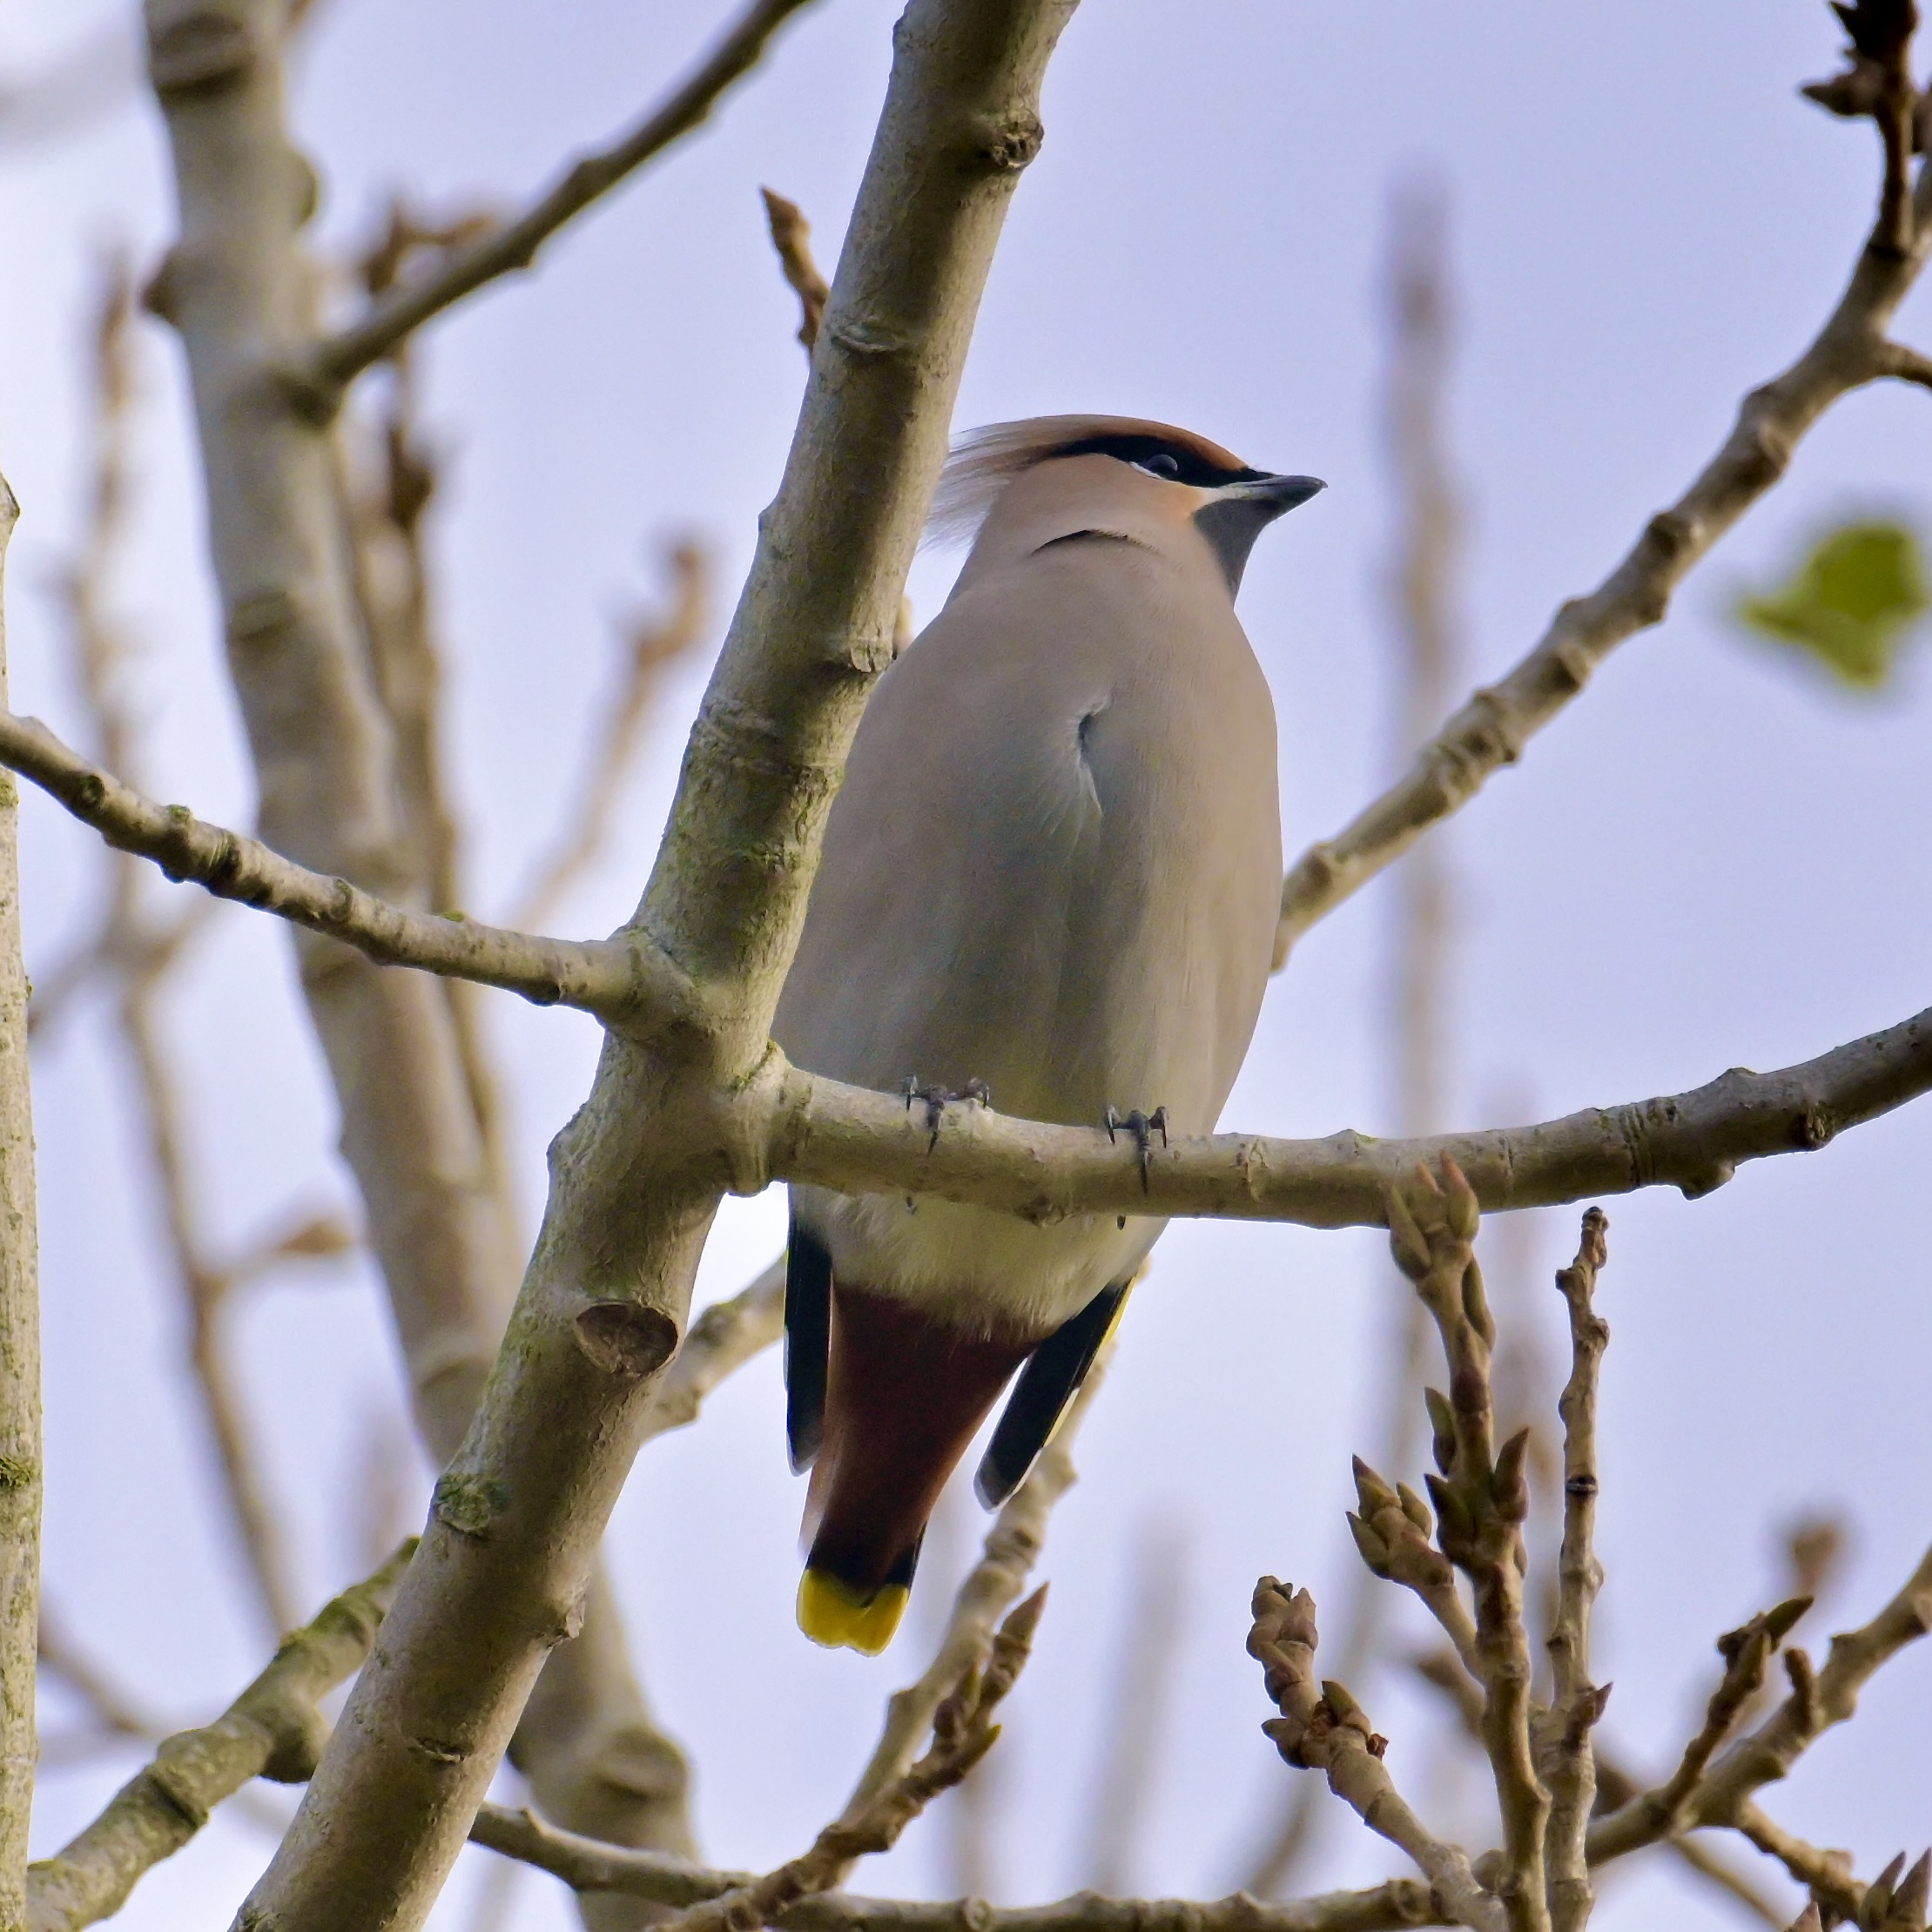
(20, 1465)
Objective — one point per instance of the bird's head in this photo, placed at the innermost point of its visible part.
(1116, 475)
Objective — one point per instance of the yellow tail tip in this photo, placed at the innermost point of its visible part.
(834, 1614)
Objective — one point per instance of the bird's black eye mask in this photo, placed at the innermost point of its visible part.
(1177, 463)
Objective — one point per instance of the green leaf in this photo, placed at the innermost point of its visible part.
(1850, 603)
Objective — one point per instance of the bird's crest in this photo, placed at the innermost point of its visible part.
(983, 461)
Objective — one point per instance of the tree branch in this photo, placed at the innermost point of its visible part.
(610, 978)
(1492, 730)
(589, 1866)
(963, 1731)
(1817, 1702)
(320, 376)
(273, 1730)
(818, 1132)
(1567, 1754)
(1481, 1501)
(1710, 1789)
(1323, 1728)
(20, 1442)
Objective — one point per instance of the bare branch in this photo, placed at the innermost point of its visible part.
(1817, 1702)
(1615, 1785)
(320, 376)
(1392, 1526)
(963, 1731)
(1492, 729)
(273, 1730)
(1481, 1501)
(605, 977)
(1674, 1807)
(819, 1131)
(136, 953)
(1568, 1758)
(1324, 1729)
(650, 643)
(1826, 1874)
(590, 1866)
(20, 1433)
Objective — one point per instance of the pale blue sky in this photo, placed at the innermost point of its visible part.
(1711, 859)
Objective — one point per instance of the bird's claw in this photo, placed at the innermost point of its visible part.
(1143, 1128)
(935, 1100)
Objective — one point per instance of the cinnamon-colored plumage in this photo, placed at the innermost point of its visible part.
(1053, 868)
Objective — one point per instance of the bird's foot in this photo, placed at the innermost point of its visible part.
(1143, 1128)
(935, 1101)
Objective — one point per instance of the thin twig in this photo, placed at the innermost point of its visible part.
(1827, 1876)
(1492, 729)
(589, 1865)
(273, 1730)
(963, 1731)
(1615, 1785)
(114, 1708)
(791, 238)
(1566, 1752)
(605, 977)
(322, 376)
(1818, 1700)
(1481, 1500)
(1323, 1728)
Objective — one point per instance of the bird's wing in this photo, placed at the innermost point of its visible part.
(1044, 1393)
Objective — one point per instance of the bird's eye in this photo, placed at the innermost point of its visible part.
(1162, 465)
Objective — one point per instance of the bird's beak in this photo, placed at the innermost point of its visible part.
(1237, 512)
(1280, 494)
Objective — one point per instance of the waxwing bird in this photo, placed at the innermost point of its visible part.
(1052, 872)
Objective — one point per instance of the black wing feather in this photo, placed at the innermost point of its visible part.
(1050, 1380)
(807, 1341)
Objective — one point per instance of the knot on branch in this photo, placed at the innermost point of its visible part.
(1009, 142)
(629, 1340)
(467, 1502)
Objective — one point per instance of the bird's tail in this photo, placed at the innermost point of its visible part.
(904, 1396)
